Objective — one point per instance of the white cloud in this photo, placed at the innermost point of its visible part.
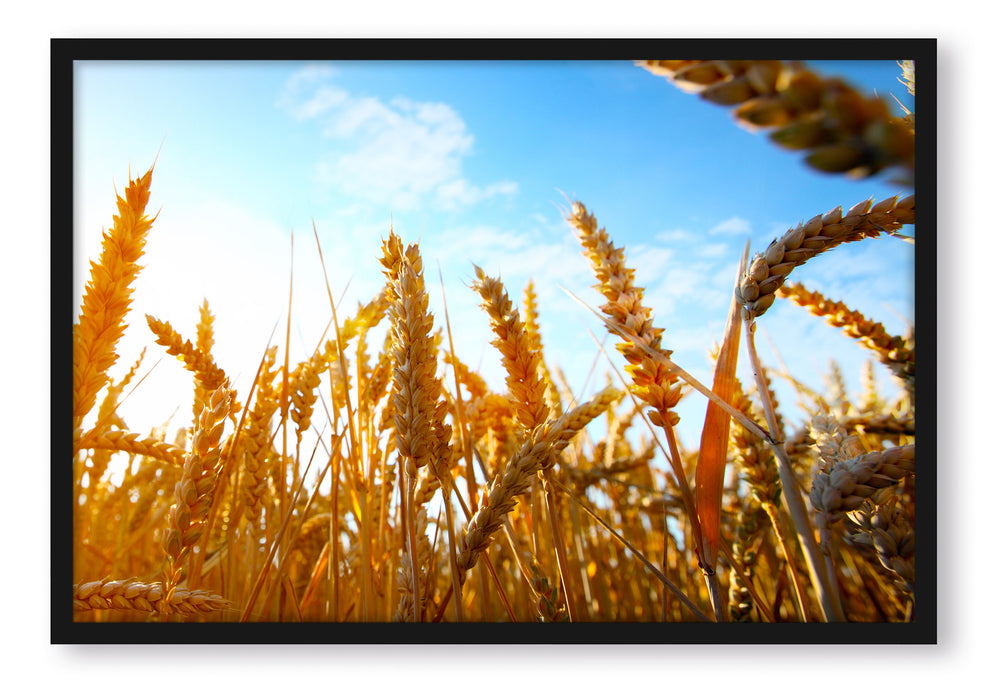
(478, 243)
(648, 262)
(456, 193)
(714, 251)
(734, 225)
(304, 78)
(394, 153)
(674, 235)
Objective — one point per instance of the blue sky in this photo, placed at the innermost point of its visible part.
(473, 161)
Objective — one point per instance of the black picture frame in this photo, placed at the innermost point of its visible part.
(65, 51)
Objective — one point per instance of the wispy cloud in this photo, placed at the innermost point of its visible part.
(400, 152)
(452, 195)
(649, 262)
(734, 225)
(674, 236)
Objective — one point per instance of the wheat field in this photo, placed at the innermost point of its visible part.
(390, 482)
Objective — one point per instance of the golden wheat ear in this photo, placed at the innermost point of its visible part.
(145, 597)
(107, 297)
(519, 356)
(769, 269)
(415, 390)
(896, 352)
(840, 130)
(654, 383)
(208, 376)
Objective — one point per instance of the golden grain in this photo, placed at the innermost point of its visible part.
(420, 502)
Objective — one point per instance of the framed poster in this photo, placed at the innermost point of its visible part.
(493, 337)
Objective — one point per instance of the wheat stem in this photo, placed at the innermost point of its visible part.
(828, 597)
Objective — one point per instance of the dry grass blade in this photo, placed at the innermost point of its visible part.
(713, 451)
(695, 610)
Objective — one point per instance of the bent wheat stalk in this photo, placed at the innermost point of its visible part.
(770, 268)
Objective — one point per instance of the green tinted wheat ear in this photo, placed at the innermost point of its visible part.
(107, 297)
(770, 268)
(842, 131)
